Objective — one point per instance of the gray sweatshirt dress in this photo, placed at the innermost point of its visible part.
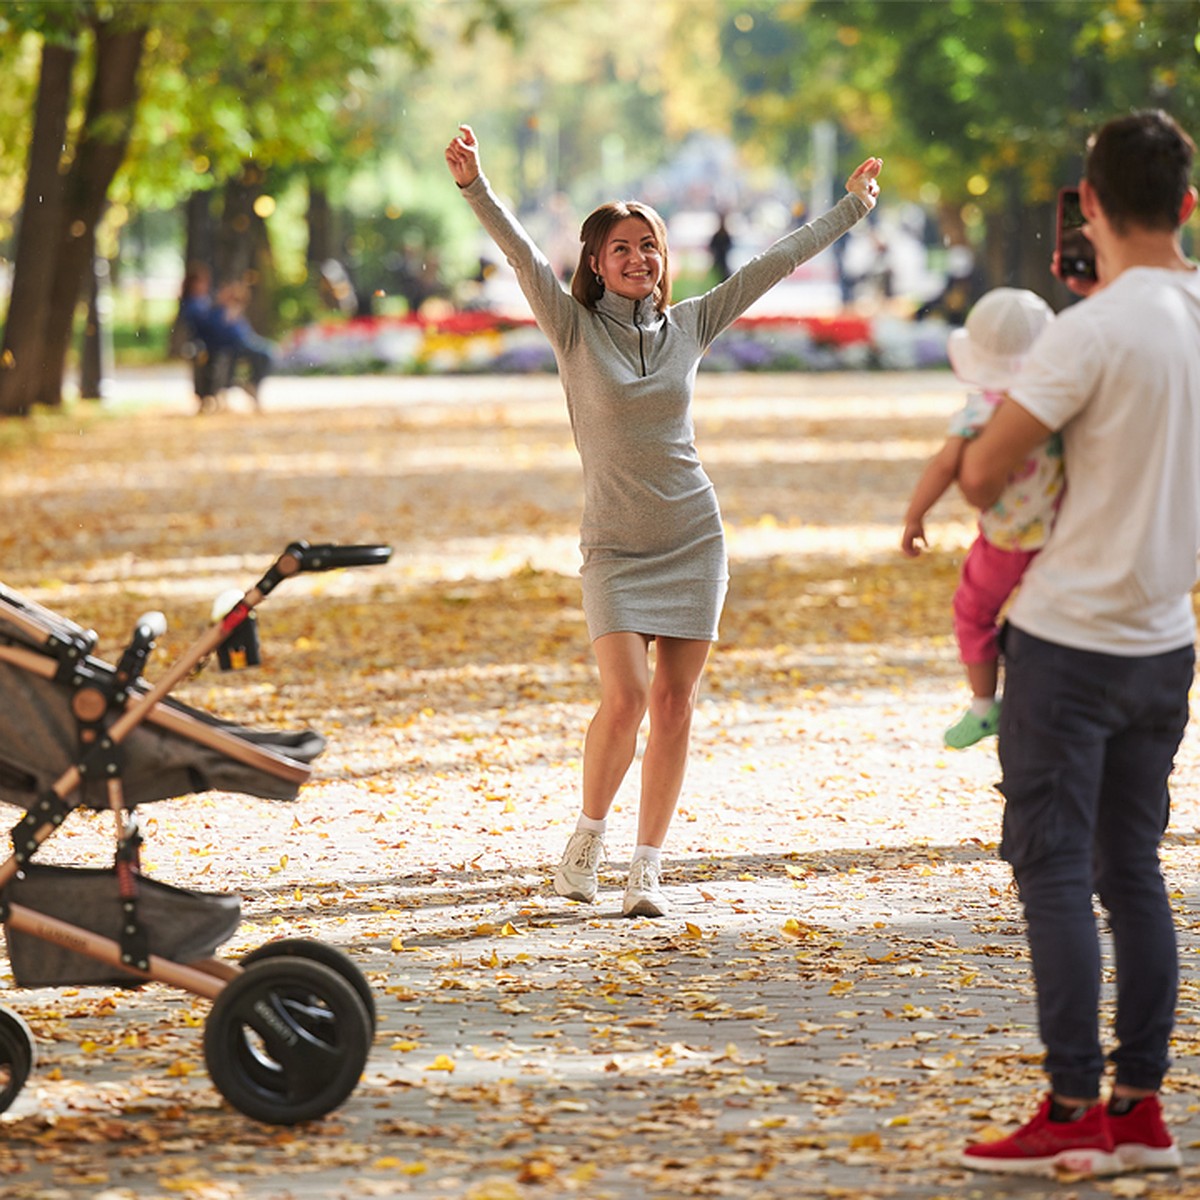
(651, 537)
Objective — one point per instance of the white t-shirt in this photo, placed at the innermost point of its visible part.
(1119, 375)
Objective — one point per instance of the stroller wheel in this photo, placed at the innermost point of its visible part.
(287, 1040)
(320, 952)
(18, 1054)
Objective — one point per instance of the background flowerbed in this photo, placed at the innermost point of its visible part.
(466, 342)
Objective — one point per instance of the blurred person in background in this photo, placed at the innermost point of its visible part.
(219, 329)
(720, 246)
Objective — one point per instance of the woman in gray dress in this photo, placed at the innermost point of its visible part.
(654, 568)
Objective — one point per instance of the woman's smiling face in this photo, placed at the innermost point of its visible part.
(631, 263)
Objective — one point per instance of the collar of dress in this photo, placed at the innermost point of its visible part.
(629, 312)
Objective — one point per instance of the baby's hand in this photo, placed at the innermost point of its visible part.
(914, 533)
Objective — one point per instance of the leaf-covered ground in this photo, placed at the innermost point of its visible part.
(840, 996)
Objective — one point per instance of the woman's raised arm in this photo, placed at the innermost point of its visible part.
(555, 311)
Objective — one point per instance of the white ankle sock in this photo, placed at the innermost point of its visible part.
(591, 825)
(982, 705)
(653, 853)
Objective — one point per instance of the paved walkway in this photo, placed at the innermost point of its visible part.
(733, 1049)
(839, 998)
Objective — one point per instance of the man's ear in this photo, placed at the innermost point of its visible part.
(1188, 206)
(1088, 204)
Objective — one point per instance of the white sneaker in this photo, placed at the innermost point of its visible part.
(576, 875)
(643, 890)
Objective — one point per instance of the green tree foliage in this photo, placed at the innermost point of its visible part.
(983, 87)
(180, 98)
(242, 99)
(980, 106)
(279, 82)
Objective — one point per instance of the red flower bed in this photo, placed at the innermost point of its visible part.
(844, 329)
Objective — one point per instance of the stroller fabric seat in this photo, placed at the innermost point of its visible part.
(178, 751)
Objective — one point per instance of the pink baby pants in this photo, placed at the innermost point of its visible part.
(989, 576)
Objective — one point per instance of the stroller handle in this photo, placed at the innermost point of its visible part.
(329, 557)
(301, 556)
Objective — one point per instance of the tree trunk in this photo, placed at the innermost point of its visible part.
(199, 245)
(98, 156)
(200, 236)
(1037, 251)
(244, 248)
(1019, 246)
(320, 227)
(41, 222)
(95, 357)
(235, 246)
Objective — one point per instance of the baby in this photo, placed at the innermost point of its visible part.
(988, 353)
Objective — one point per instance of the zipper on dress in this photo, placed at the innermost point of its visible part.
(641, 344)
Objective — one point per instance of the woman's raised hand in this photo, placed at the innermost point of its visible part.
(864, 183)
(462, 156)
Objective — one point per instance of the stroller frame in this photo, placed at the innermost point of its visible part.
(291, 1025)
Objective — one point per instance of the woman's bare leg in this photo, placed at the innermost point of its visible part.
(608, 750)
(678, 666)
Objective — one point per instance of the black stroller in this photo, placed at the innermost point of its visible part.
(291, 1024)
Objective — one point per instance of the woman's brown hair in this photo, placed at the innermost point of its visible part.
(585, 286)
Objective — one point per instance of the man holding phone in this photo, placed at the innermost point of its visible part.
(1074, 255)
(1099, 652)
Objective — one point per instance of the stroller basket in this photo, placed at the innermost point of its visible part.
(182, 925)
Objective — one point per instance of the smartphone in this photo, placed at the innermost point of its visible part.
(1076, 254)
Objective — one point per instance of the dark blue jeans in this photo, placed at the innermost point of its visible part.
(1087, 742)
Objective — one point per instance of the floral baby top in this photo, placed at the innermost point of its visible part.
(1024, 515)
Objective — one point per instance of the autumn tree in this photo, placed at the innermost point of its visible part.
(66, 185)
(999, 100)
(244, 98)
(188, 99)
(243, 101)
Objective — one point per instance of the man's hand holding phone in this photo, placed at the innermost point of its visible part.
(1074, 260)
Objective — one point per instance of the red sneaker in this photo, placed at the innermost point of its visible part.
(1044, 1147)
(1142, 1140)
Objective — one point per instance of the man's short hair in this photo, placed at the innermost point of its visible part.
(1140, 168)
